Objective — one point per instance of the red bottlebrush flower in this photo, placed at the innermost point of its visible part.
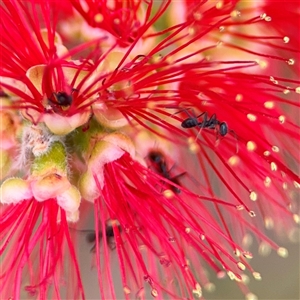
(39, 71)
(145, 221)
(34, 41)
(37, 252)
(122, 19)
(34, 231)
(116, 122)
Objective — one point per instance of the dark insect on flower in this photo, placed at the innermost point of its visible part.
(60, 101)
(88, 92)
(211, 123)
(63, 99)
(158, 163)
(109, 234)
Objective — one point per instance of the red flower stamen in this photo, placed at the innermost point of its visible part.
(119, 18)
(214, 97)
(30, 230)
(141, 210)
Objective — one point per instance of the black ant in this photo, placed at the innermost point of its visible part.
(61, 100)
(159, 164)
(211, 123)
(109, 234)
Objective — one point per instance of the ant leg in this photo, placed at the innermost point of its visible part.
(216, 125)
(203, 114)
(212, 122)
(193, 115)
(235, 136)
(178, 176)
(204, 117)
(185, 110)
(175, 180)
(201, 124)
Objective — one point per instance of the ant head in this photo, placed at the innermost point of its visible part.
(63, 99)
(223, 129)
(156, 156)
(91, 237)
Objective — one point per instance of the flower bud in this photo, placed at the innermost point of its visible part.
(15, 190)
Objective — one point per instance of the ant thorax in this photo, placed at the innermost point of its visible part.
(58, 102)
(36, 140)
